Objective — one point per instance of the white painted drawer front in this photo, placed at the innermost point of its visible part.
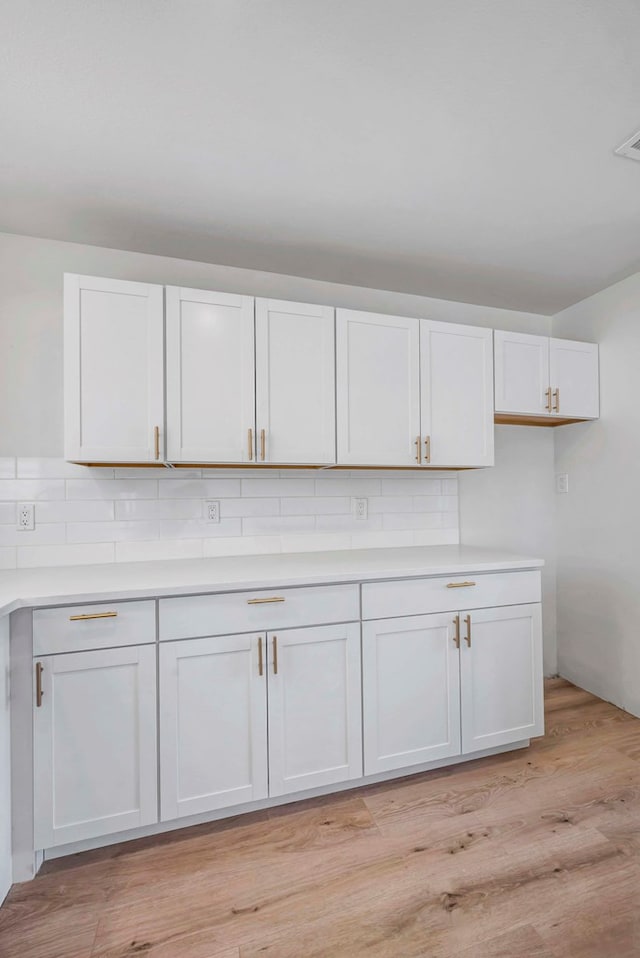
(84, 627)
(193, 616)
(381, 600)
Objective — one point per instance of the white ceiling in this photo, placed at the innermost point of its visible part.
(454, 148)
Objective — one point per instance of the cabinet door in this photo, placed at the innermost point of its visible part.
(501, 676)
(378, 388)
(210, 377)
(456, 387)
(213, 724)
(574, 379)
(411, 691)
(315, 726)
(95, 762)
(295, 383)
(521, 373)
(114, 370)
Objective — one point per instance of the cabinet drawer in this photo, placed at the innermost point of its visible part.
(381, 600)
(199, 615)
(85, 627)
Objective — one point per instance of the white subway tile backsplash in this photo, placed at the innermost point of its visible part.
(165, 549)
(112, 489)
(125, 514)
(31, 490)
(200, 488)
(158, 508)
(277, 487)
(110, 531)
(94, 554)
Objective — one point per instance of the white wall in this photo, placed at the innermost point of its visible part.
(512, 505)
(598, 521)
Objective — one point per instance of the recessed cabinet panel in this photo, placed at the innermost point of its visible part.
(574, 379)
(378, 388)
(295, 383)
(210, 377)
(95, 744)
(213, 724)
(456, 388)
(315, 725)
(114, 381)
(501, 676)
(521, 373)
(411, 692)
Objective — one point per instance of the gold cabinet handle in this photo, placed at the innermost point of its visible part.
(39, 692)
(459, 585)
(547, 394)
(275, 655)
(260, 662)
(467, 637)
(262, 444)
(93, 615)
(272, 598)
(250, 444)
(427, 449)
(456, 637)
(556, 408)
(156, 441)
(419, 450)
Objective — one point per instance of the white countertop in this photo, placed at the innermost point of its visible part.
(27, 588)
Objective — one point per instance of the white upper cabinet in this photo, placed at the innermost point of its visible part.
(574, 379)
(456, 389)
(545, 378)
(521, 373)
(295, 383)
(114, 382)
(210, 377)
(378, 389)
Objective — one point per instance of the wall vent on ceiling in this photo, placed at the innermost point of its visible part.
(630, 147)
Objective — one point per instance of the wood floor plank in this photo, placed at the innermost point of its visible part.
(530, 854)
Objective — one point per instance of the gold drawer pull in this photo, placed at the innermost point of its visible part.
(262, 445)
(467, 619)
(547, 404)
(427, 449)
(275, 655)
(273, 598)
(156, 442)
(459, 585)
(456, 638)
(260, 663)
(250, 444)
(556, 407)
(39, 692)
(93, 615)
(419, 451)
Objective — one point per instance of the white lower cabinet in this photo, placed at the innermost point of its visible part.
(501, 676)
(213, 724)
(95, 754)
(315, 728)
(411, 692)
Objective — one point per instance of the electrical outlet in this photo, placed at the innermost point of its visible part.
(213, 511)
(562, 482)
(360, 508)
(26, 517)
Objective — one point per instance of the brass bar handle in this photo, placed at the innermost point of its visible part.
(262, 445)
(93, 615)
(275, 655)
(467, 619)
(250, 444)
(272, 598)
(427, 449)
(260, 660)
(456, 638)
(556, 408)
(547, 394)
(459, 585)
(156, 441)
(418, 445)
(39, 692)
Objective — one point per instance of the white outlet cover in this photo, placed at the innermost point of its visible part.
(212, 512)
(562, 482)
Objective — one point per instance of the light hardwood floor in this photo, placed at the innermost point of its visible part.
(533, 854)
